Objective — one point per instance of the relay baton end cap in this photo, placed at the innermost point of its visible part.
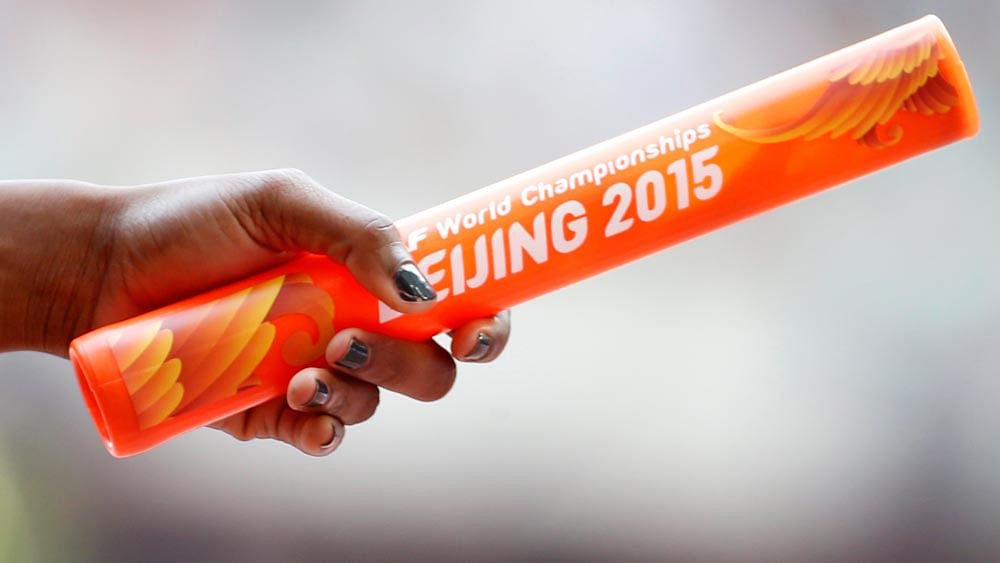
(104, 393)
(970, 112)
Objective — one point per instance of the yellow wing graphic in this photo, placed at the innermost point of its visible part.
(865, 94)
(210, 352)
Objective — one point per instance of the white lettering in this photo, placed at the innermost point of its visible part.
(520, 242)
(578, 226)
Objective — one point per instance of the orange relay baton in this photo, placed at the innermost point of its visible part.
(841, 116)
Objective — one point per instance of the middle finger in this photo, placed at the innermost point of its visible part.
(422, 370)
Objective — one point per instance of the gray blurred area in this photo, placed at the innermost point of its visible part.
(818, 383)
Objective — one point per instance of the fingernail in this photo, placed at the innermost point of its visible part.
(355, 357)
(338, 435)
(320, 396)
(412, 285)
(481, 349)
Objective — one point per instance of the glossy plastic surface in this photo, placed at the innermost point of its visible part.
(858, 110)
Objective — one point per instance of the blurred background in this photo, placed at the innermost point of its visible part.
(819, 383)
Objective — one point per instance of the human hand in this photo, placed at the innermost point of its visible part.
(78, 256)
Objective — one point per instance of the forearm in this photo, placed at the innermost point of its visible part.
(52, 245)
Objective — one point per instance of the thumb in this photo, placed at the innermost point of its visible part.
(288, 211)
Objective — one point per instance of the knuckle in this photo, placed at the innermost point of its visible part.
(243, 436)
(370, 231)
(291, 177)
(379, 230)
(243, 433)
(286, 182)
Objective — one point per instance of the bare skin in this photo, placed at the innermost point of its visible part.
(75, 256)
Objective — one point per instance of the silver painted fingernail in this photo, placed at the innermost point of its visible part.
(338, 435)
(412, 285)
(320, 396)
(481, 349)
(355, 357)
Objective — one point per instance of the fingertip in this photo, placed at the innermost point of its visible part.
(406, 288)
(412, 285)
(483, 340)
(322, 435)
(349, 350)
(376, 256)
(306, 389)
(474, 349)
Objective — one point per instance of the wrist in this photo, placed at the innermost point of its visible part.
(54, 248)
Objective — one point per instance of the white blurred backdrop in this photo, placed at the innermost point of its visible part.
(819, 383)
